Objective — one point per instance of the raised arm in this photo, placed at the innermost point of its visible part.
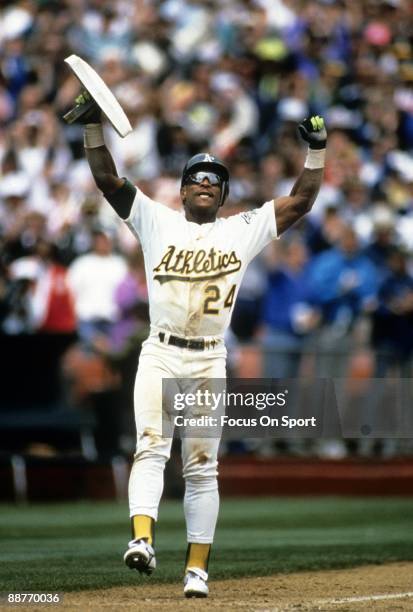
(100, 161)
(118, 191)
(289, 209)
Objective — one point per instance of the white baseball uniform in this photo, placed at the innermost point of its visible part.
(193, 274)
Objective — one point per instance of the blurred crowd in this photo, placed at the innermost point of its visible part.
(233, 77)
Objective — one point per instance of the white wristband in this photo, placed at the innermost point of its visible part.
(93, 136)
(315, 159)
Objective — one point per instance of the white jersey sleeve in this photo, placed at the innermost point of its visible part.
(143, 217)
(255, 229)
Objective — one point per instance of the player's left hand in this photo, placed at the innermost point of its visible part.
(85, 110)
(313, 131)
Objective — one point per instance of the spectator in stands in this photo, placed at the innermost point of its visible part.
(40, 311)
(344, 286)
(383, 240)
(93, 279)
(392, 332)
(48, 300)
(392, 341)
(29, 229)
(325, 234)
(289, 314)
(17, 283)
(131, 297)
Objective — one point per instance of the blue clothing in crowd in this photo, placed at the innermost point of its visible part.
(392, 330)
(342, 284)
(285, 291)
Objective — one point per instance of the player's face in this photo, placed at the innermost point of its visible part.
(201, 195)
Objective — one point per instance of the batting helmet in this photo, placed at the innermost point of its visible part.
(209, 163)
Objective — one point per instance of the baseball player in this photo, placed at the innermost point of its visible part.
(194, 265)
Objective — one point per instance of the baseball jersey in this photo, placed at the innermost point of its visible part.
(194, 271)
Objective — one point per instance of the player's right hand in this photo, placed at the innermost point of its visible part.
(313, 131)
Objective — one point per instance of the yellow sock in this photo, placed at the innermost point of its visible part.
(197, 555)
(143, 528)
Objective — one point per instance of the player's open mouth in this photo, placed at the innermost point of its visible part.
(205, 195)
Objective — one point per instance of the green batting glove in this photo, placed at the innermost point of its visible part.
(85, 110)
(313, 131)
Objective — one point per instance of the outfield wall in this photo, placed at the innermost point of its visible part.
(53, 479)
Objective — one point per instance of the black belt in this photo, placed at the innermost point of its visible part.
(195, 345)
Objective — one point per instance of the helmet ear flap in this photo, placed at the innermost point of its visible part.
(224, 193)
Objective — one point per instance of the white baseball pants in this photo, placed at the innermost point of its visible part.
(199, 455)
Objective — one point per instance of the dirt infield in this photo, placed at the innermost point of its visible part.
(380, 587)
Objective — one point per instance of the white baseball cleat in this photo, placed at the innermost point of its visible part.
(140, 556)
(195, 583)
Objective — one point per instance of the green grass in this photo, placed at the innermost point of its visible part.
(69, 547)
